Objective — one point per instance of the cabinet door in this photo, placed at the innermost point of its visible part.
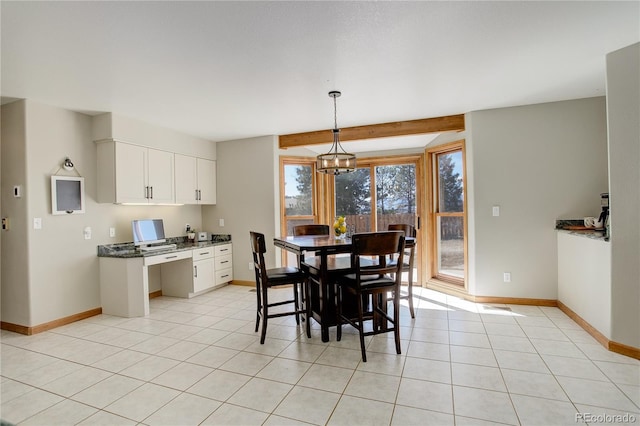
(131, 173)
(186, 179)
(203, 275)
(160, 170)
(207, 181)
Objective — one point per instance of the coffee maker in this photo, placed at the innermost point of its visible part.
(604, 214)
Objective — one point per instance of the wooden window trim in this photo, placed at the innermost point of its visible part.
(434, 277)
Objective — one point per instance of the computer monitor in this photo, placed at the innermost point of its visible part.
(147, 231)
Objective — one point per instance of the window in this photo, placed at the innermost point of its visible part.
(298, 189)
(448, 218)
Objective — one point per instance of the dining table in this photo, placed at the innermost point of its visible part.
(325, 258)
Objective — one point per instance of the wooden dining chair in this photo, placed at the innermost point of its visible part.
(407, 264)
(268, 278)
(311, 229)
(371, 282)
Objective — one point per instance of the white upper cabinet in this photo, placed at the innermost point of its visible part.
(134, 174)
(160, 174)
(207, 181)
(195, 180)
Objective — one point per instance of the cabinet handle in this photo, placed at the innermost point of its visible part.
(206, 252)
(224, 261)
(170, 257)
(151, 192)
(146, 192)
(224, 276)
(196, 195)
(199, 195)
(196, 271)
(224, 249)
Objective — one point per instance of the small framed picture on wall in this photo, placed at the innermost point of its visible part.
(67, 195)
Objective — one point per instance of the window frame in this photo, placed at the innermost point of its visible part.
(436, 279)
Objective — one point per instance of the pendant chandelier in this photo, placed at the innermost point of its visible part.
(337, 160)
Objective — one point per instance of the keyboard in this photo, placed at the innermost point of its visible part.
(162, 247)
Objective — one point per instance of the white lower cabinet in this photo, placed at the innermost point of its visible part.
(224, 264)
(203, 269)
(207, 267)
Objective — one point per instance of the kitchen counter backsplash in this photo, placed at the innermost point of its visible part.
(182, 243)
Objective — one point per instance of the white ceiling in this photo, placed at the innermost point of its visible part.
(231, 70)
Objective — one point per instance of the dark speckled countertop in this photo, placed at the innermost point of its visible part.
(564, 225)
(128, 250)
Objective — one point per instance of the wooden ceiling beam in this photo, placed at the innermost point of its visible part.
(373, 131)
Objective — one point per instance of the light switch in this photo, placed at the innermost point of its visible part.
(496, 210)
(87, 233)
(37, 223)
(221, 222)
(112, 232)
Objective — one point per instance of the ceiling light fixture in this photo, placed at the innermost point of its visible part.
(336, 161)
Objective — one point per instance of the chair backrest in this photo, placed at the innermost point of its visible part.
(313, 229)
(409, 230)
(381, 245)
(259, 248)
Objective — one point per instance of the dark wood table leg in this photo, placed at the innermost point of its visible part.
(324, 297)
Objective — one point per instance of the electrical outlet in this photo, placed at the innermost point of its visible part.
(496, 210)
(251, 266)
(187, 228)
(5, 223)
(37, 223)
(506, 277)
(112, 232)
(221, 222)
(87, 233)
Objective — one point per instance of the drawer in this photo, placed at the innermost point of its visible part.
(202, 253)
(222, 249)
(167, 257)
(224, 276)
(224, 262)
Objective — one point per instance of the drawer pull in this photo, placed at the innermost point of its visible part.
(225, 261)
(170, 257)
(196, 271)
(224, 276)
(226, 249)
(205, 253)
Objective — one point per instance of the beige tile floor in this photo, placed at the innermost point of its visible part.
(199, 361)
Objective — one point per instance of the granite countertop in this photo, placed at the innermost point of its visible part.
(128, 250)
(568, 226)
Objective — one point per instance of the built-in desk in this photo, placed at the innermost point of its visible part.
(186, 271)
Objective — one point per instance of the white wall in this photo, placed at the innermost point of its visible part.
(59, 276)
(623, 115)
(15, 297)
(538, 163)
(126, 129)
(247, 198)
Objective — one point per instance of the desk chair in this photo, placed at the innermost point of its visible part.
(371, 283)
(407, 264)
(267, 278)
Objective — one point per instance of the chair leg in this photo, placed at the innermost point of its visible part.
(396, 319)
(361, 328)
(339, 313)
(265, 314)
(296, 302)
(307, 306)
(410, 294)
(258, 307)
